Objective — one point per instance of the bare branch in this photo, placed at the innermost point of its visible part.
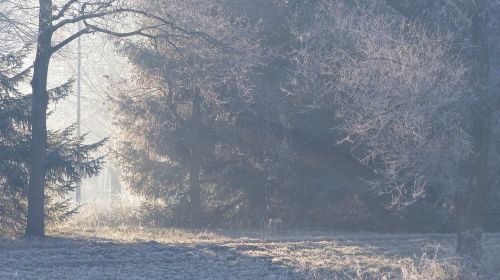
(64, 9)
(137, 32)
(162, 29)
(70, 39)
(162, 21)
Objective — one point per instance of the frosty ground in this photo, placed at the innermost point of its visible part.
(139, 253)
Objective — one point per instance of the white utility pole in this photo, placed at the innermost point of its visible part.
(78, 191)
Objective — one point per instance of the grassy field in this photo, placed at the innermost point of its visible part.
(91, 250)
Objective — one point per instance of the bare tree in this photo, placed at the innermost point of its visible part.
(478, 23)
(402, 95)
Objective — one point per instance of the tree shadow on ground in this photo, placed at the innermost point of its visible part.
(66, 258)
(240, 256)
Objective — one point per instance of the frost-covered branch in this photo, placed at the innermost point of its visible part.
(399, 92)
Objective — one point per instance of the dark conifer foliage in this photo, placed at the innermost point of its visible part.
(265, 142)
(69, 159)
(259, 155)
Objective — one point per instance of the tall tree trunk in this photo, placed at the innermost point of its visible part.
(36, 192)
(472, 210)
(194, 172)
(116, 187)
(257, 195)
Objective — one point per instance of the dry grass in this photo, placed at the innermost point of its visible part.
(222, 254)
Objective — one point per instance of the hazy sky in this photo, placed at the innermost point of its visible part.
(101, 66)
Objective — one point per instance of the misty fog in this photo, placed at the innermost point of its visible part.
(247, 139)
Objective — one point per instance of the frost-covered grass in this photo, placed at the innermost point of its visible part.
(88, 249)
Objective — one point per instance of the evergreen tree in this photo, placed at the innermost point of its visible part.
(69, 159)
